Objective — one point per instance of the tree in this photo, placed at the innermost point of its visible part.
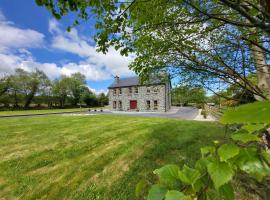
(35, 81)
(103, 99)
(217, 40)
(187, 94)
(76, 82)
(88, 97)
(60, 90)
(4, 85)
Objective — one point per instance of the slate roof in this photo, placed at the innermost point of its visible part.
(133, 81)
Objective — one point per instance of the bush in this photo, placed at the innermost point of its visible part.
(204, 113)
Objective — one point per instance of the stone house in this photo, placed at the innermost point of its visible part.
(127, 94)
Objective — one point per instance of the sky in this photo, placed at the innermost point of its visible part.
(31, 38)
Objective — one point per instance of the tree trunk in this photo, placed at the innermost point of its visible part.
(30, 97)
(262, 72)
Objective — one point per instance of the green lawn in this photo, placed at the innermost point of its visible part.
(28, 112)
(93, 157)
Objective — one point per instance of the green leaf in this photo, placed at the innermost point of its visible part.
(249, 162)
(139, 187)
(242, 114)
(174, 195)
(220, 173)
(228, 151)
(157, 192)
(206, 150)
(253, 127)
(201, 164)
(226, 192)
(189, 175)
(245, 137)
(168, 174)
(266, 156)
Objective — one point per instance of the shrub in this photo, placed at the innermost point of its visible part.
(204, 113)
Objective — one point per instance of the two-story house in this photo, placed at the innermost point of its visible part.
(127, 94)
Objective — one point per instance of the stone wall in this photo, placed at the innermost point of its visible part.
(157, 93)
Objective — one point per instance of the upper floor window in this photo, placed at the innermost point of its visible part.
(148, 89)
(120, 91)
(155, 105)
(130, 90)
(156, 90)
(114, 104)
(136, 90)
(114, 91)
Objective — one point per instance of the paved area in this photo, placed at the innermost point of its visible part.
(188, 113)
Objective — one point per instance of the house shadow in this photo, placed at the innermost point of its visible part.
(170, 142)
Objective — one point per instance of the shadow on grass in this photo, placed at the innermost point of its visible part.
(178, 143)
(172, 142)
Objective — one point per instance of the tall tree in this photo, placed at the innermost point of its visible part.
(211, 38)
(36, 81)
(60, 90)
(76, 83)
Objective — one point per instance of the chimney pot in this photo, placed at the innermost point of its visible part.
(116, 78)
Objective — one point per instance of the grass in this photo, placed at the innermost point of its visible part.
(29, 112)
(93, 157)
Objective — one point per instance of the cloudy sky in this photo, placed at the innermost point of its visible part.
(30, 38)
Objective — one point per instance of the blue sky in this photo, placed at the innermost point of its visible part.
(30, 38)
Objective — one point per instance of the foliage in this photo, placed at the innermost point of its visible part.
(204, 113)
(188, 94)
(212, 175)
(186, 38)
(257, 112)
(23, 88)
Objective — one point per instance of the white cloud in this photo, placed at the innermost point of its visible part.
(15, 43)
(14, 37)
(108, 64)
(105, 91)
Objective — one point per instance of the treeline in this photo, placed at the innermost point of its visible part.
(186, 94)
(34, 89)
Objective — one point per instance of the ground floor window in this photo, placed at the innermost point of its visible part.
(148, 105)
(114, 104)
(155, 105)
(120, 105)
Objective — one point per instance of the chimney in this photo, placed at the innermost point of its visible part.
(116, 79)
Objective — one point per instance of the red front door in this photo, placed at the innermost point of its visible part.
(133, 104)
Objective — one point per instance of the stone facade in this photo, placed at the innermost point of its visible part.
(154, 97)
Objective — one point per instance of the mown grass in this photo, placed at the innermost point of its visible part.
(29, 112)
(93, 157)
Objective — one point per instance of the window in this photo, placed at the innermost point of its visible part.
(120, 91)
(120, 105)
(114, 104)
(148, 89)
(136, 90)
(114, 91)
(148, 105)
(155, 105)
(130, 90)
(156, 90)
